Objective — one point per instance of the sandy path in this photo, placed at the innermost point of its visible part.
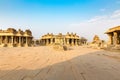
(43, 63)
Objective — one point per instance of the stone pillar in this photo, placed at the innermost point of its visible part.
(64, 41)
(6, 40)
(72, 42)
(11, 42)
(67, 41)
(26, 43)
(61, 41)
(14, 40)
(76, 42)
(0, 39)
(51, 40)
(115, 38)
(29, 41)
(47, 41)
(110, 41)
(118, 38)
(19, 41)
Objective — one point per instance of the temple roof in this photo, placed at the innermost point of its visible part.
(117, 28)
(68, 35)
(19, 32)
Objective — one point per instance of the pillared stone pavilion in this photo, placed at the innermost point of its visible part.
(14, 38)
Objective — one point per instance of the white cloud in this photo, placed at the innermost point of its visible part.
(97, 25)
(116, 14)
(97, 18)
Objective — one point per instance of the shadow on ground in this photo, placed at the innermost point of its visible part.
(91, 66)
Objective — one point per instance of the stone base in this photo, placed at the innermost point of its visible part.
(2, 45)
(60, 47)
(6, 45)
(19, 45)
(11, 45)
(25, 45)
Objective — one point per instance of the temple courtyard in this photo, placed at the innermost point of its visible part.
(45, 63)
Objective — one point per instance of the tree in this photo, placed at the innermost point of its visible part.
(83, 40)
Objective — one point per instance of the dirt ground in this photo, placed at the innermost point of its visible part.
(44, 63)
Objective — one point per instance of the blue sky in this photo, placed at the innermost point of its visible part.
(84, 17)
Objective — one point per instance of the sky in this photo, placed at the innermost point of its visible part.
(84, 17)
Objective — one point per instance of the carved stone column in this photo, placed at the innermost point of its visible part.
(110, 41)
(119, 38)
(72, 42)
(11, 42)
(76, 42)
(26, 43)
(0, 39)
(47, 41)
(29, 41)
(19, 41)
(115, 38)
(67, 41)
(6, 40)
(64, 41)
(51, 40)
(14, 40)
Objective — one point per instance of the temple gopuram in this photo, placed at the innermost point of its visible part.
(96, 39)
(97, 43)
(14, 38)
(114, 35)
(60, 39)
